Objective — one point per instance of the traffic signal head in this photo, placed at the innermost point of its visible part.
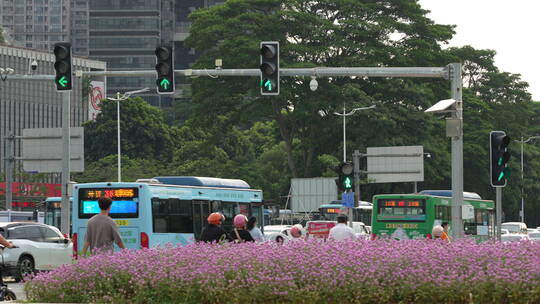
(345, 181)
(62, 66)
(499, 156)
(165, 70)
(269, 68)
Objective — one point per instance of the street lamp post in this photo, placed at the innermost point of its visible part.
(119, 98)
(522, 180)
(344, 115)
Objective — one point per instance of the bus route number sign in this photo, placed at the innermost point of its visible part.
(111, 193)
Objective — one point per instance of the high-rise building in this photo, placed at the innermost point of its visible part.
(36, 24)
(125, 34)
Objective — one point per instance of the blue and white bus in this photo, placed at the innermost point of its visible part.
(164, 210)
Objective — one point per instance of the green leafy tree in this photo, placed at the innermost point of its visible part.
(144, 133)
(328, 33)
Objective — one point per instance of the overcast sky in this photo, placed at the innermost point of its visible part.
(508, 27)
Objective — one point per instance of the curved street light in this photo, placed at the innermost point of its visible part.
(344, 114)
(119, 98)
(522, 181)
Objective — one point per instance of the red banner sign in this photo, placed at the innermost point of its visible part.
(320, 229)
(32, 190)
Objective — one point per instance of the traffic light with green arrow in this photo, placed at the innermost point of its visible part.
(62, 66)
(499, 156)
(165, 70)
(269, 68)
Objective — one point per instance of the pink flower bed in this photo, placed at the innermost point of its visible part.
(382, 271)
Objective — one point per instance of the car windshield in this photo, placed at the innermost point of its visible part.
(535, 235)
(511, 227)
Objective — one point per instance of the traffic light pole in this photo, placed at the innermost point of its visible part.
(498, 211)
(356, 163)
(457, 151)
(65, 209)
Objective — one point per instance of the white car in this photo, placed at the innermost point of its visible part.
(514, 237)
(534, 236)
(40, 247)
(277, 233)
(361, 231)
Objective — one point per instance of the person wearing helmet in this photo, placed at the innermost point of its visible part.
(239, 233)
(296, 231)
(213, 233)
(437, 232)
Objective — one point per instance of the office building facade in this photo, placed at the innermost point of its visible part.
(36, 103)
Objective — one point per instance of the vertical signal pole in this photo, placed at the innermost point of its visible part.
(498, 211)
(65, 210)
(63, 82)
(356, 163)
(457, 152)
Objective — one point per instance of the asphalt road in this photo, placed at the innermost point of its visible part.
(17, 288)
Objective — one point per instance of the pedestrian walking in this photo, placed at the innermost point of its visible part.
(102, 231)
(341, 231)
(213, 232)
(239, 233)
(255, 232)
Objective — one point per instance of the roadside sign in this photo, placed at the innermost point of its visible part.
(347, 199)
(395, 164)
(319, 229)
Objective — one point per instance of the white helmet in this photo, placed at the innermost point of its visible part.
(437, 231)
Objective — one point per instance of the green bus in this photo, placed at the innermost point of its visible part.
(411, 216)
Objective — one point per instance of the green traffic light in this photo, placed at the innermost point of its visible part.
(267, 84)
(347, 183)
(501, 176)
(63, 81)
(164, 83)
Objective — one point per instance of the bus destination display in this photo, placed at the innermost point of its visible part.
(125, 193)
(402, 203)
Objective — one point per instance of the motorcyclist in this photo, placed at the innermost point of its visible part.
(240, 234)
(213, 232)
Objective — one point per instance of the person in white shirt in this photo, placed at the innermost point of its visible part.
(341, 231)
(255, 232)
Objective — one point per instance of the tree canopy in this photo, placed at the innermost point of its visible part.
(229, 130)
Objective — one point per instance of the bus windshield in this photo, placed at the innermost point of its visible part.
(125, 202)
(401, 210)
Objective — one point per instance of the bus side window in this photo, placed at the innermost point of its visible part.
(171, 216)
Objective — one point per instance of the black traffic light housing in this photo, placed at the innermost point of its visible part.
(269, 68)
(62, 66)
(165, 69)
(345, 180)
(499, 156)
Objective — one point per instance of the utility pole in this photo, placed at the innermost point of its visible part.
(65, 220)
(9, 141)
(356, 164)
(457, 151)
